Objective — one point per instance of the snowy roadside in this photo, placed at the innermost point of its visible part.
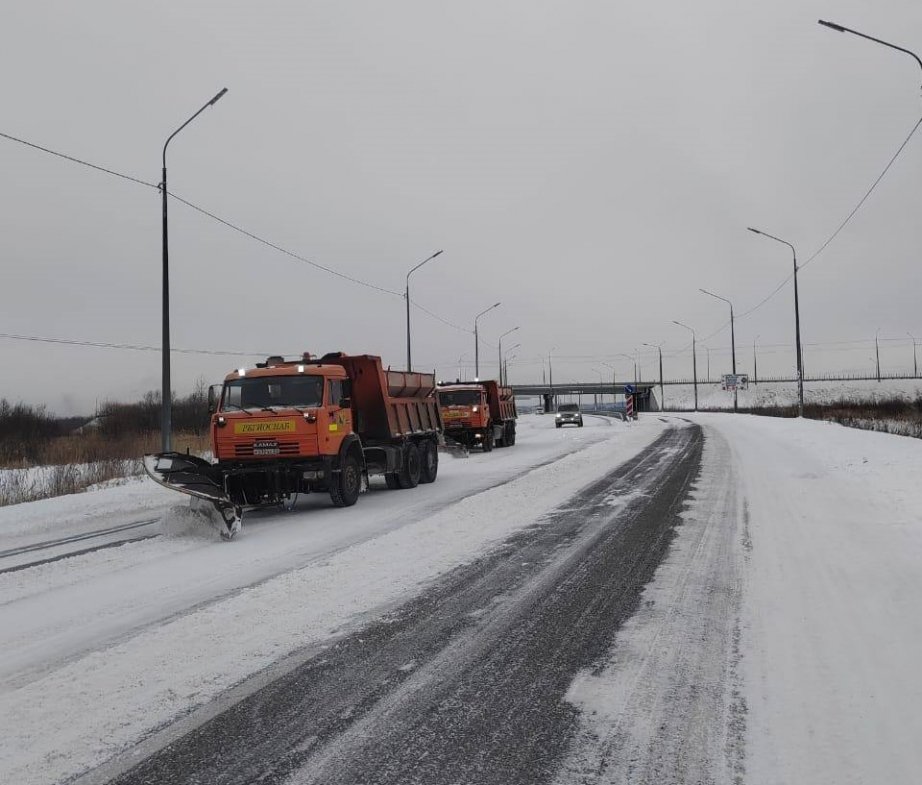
(86, 711)
(831, 635)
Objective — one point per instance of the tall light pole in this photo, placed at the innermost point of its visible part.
(166, 403)
(694, 360)
(499, 369)
(662, 394)
(732, 343)
(477, 339)
(915, 363)
(798, 346)
(407, 298)
(841, 29)
(613, 393)
(550, 375)
(877, 352)
(755, 361)
(504, 378)
(460, 361)
(634, 361)
(601, 386)
(708, 350)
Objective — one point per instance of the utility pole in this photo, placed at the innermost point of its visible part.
(477, 340)
(915, 363)
(662, 395)
(166, 402)
(755, 361)
(500, 360)
(694, 361)
(877, 352)
(732, 344)
(799, 347)
(407, 297)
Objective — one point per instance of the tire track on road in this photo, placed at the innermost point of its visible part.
(466, 683)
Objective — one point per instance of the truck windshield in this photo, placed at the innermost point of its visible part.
(459, 397)
(568, 407)
(259, 392)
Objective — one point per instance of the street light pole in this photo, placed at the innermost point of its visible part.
(477, 339)
(504, 378)
(601, 386)
(166, 402)
(732, 343)
(915, 363)
(499, 370)
(694, 360)
(840, 29)
(877, 352)
(798, 347)
(613, 393)
(755, 361)
(662, 394)
(407, 298)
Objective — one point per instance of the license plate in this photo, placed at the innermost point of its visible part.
(266, 448)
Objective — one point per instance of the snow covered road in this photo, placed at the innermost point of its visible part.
(711, 598)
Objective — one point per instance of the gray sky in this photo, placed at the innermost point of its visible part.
(589, 164)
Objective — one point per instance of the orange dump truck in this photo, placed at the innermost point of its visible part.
(478, 414)
(288, 427)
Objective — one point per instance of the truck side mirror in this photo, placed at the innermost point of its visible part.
(345, 402)
(213, 397)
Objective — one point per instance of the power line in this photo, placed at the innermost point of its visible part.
(841, 226)
(229, 224)
(280, 249)
(131, 346)
(79, 161)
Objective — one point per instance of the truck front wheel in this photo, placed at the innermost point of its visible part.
(408, 476)
(429, 455)
(347, 484)
(486, 443)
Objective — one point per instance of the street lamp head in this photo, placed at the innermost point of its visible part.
(218, 97)
(831, 25)
(753, 230)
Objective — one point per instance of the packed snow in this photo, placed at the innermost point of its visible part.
(100, 632)
(777, 643)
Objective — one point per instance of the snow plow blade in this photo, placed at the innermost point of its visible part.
(454, 449)
(197, 478)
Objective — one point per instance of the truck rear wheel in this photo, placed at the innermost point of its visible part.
(347, 484)
(408, 476)
(510, 434)
(429, 455)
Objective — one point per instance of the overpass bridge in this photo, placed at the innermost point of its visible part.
(644, 398)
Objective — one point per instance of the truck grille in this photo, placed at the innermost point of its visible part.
(247, 450)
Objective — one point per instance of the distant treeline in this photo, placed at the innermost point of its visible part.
(30, 435)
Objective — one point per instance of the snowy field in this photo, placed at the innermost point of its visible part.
(777, 643)
(710, 396)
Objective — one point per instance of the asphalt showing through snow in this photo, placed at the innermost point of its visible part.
(467, 682)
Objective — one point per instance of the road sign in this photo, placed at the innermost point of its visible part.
(629, 389)
(733, 382)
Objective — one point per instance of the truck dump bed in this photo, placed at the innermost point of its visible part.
(386, 404)
(501, 401)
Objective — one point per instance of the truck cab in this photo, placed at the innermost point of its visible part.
(478, 414)
(284, 411)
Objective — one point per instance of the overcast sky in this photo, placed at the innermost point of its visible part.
(588, 164)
